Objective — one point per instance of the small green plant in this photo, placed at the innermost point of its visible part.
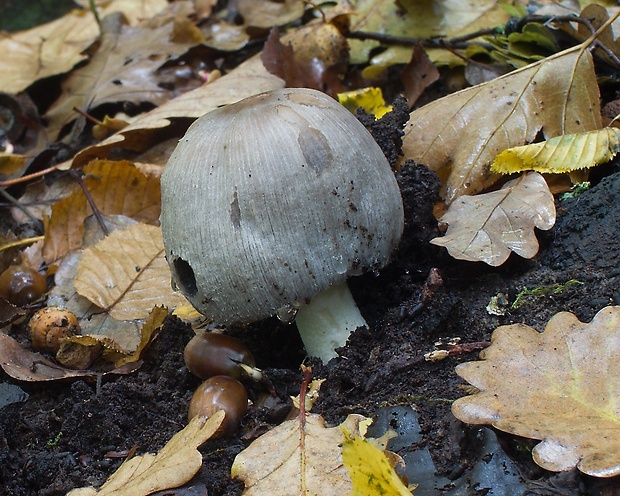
(542, 290)
(54, 442)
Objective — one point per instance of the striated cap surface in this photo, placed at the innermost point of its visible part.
(270, 200)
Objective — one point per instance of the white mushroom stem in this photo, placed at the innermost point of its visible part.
(325, 323)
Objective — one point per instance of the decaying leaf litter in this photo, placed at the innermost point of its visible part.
(50, 443)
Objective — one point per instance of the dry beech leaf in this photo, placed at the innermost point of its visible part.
(24, 365)
(126, 273)
(459, 135)
(308, 459)
(561, 154)
(125, 335)
(488, 227)
(116, 188)
(560, 386)
(57, 46)
(122, 69)
(269, 13)
(174, 465)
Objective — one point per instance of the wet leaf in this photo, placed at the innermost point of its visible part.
(559, 386)
(174, 465)
(308, 460)
(459, 135)
(561, 154)
(24, 365)
(488, 227)
(126, 274)
(116, 188)
(420, 19)
(370, 470)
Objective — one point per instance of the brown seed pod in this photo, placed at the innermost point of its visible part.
(49, 325)
(220, 393)
(210, 354)
(21, 285)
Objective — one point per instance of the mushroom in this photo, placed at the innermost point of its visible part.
(270, 204)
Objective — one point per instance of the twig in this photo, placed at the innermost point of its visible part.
(17, 204)
(28, 177)
(93, 9)
(78, 178)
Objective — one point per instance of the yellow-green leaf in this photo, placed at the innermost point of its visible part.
(370, 99)
(561, 154)
(370, 471)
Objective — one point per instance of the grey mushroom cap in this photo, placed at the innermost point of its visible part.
(273, 199)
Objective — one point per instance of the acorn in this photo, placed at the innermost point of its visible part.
(210, 354)
(21, 285)
(220, 393)
(49, 325)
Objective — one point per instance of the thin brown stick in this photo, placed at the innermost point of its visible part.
(78, 178)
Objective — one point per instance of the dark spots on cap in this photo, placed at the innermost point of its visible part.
(235, 212)
(316, 150)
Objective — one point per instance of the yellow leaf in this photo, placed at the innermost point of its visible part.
(560, 386)
(369, 468)
(126, 273)
(487, 227)
(370, 99)
(561, 154)
(174, 465)
(458, 136)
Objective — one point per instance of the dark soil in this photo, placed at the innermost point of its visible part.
(68, 435)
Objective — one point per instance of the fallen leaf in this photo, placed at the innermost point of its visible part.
(267, 13)
(370, 470)
(559, 386)
(311, 466)
(488, 227)
(126, 273)
(116, 188)
(315, 57)
(174, 465)
(561, 154)
(148, 333)
(24, 365)
(370, 99)
(459, 135)
(418, 75)
(55, 47)
(122, 69)
(124, 334)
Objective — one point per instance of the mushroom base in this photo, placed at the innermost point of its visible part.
(325, 323)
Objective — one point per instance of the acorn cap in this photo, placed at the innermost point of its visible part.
(273, 199)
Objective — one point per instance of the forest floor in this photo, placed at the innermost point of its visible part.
(72, 434)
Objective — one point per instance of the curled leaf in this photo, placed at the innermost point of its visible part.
(561, 154)
(488, 227)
